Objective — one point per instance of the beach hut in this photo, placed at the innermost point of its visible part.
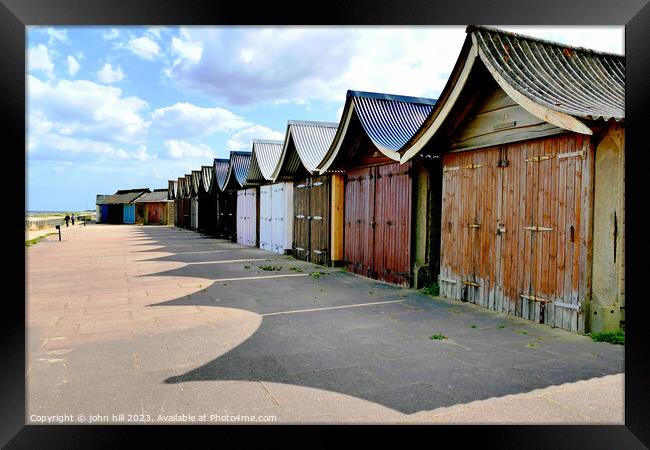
(224, 199)
(207, 220)
(121, 206)
(179, 202)
(172, 187)
(275, 199)
(378, 192)
(187, 201)
(196, 183)
(101, 208)
(531, 135)
(247, 205)
(153, 208)
(317, 199)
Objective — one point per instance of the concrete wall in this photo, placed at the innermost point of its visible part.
(607, 306)
(420, 225)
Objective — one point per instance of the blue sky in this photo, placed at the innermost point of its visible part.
(122, 107)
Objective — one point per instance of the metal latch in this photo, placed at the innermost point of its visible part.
(535, 298)
(317, 218)
(471, 283)
(446, 280)
(473, 225)
(449, 169)
(473, 166)
(538, 228)
(539, 158)
(500, 229)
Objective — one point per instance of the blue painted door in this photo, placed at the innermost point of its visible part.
(103, 213)
(129, 213)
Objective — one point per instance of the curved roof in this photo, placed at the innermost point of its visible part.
(237, 170)
(196, 181)
(265, 157)
(180, 187)
(220, 173)
(572, 80)
(388, 120)
(157, 196)
(305, 143)
(188, 185)
(559, 84)
(206, 177)
(171, 189)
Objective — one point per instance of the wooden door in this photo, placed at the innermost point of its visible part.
(319, 224)
(266, 218)
(359, 220)
(301, 213)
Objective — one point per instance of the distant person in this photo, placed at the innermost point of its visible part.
(72, 219)
(67, 220)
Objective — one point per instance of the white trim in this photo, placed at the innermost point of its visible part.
(340, 134)
(331, 307)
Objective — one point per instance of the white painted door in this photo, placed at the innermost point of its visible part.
(282, 216)
(266, 233)
(241, 208)
(195, 213)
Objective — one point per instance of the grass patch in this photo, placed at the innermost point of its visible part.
(37, 239)
(438, 337)
(296, 269)
(271, 268)
(501, 326)
(317, 274)
(613, 337)
(531, 345)
(247, 267)
(472, 326)
(432, 289)
(522, 332)
(371, 293)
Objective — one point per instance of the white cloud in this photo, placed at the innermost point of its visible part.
(187, 50)
(56, 35)
(304, 64)
(180, 149)
(243, 139)
(184, 120)
(144, 47)
(111, 34)
(141, 154)
(38, 58)
(109, 75)
(155, 32)
(73, 65)
(85, 109)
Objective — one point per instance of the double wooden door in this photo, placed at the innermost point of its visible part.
(311, 219)
(515, 228)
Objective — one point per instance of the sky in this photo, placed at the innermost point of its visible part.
(113, 108)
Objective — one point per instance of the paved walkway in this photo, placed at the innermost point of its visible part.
(132, 324)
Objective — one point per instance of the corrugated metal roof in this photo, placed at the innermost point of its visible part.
(171, 189)
(196, 181)
(220, 171)
(101, 199)
(180, 188)
(151, 197)
(125, 196)
(238, 169)
(305, 143)
(265, 157)
(187, 185)
(575, 81)
(388, 120)
(206, 176)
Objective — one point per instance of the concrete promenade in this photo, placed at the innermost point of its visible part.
(133, 324)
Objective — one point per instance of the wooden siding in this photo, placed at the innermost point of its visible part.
(311, 220)
(494, 118)
(377, 232)
(515, 228)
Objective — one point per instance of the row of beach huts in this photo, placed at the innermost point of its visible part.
(507, 191)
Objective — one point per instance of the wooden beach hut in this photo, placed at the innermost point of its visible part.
(224, 199)
(121, 206)
(207, 220)
(153, 208)
(246, 205)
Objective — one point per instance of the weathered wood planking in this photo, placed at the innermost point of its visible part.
(543, 203)
(497, 119)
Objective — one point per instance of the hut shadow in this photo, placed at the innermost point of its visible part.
(382, 353)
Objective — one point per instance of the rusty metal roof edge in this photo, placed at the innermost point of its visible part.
(471, 28)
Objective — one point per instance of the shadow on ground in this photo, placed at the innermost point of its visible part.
(383, 352)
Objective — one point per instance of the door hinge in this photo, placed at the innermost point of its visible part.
(300, 216)
(538, 228)
(473, 166)
(580, 153)
(500, 229)
(317, 218)
(539, 158)
(471, 283)
(535, 298)
(446, 280)
(473, 225)
(450, 169)
(577, 307)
